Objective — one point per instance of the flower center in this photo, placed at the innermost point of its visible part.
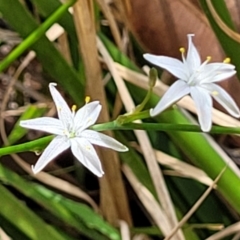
(198, 75)
(69, 134)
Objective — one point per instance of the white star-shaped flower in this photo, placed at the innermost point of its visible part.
(71, 131)
(197, 79)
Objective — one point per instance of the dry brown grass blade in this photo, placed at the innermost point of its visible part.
(184, 169)
(124, 230)
(148, 201)
(112, 193)
(111, 21)
(195, 206)
(155, 172)
(232, 229)
(64, 47)
(3, 235)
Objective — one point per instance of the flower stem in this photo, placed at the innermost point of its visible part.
(163, 127)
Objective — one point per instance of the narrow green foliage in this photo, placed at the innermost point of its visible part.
(73, 214)
(230, 46)
(18, 132)
(66, 21)
(35, 146)
(52, 61)
(24, 219)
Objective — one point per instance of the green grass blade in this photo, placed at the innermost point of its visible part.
(66, 21)
(74, 214)
(25, 220)
(49, 56)
(18, 132)
(230, 46)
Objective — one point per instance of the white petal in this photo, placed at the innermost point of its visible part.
(203, 103)
(87, 115)
(176, 91)
(86, 154)
(172, 65)
(193, 58)
(46, 124)
(221, 96)
(64, 112)
(220, 66)
(103, 140)
(56, 146)
(215, 72)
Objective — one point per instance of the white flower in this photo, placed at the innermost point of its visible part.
(197, 79)
(71, 131)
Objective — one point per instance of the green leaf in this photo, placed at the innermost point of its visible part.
(230, 46)
(18, 132)
(16, 212)
(74, 214)
(66, 21)
(48, 55)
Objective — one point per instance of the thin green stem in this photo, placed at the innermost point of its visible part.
(140, 107)
(122, 119)
(163, 127)
(35, 145)
(35, 35)
(40, 144)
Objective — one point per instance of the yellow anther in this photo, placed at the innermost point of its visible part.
(74, 107)
(182, 50)
(227, 60)
(215, 93)
(87, 99)
(209, 58)
(88, 148)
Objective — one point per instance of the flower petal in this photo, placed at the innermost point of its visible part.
(172, 65)
(87, 115)
(215, 72)
(193, 59)
(203, 103)
(222, 97)
(46, 124)
(56, 146)
(103, 140)
(175, 92)
(86, 154)
(64, 112)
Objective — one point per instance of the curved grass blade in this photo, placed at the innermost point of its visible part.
(52, 61)
(74, 214)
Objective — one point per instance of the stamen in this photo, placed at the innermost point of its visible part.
(74, 107)
(87, 99)
(214, 93)
(182, 50)
(227, 60)
(209, 58)
(88, 148)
